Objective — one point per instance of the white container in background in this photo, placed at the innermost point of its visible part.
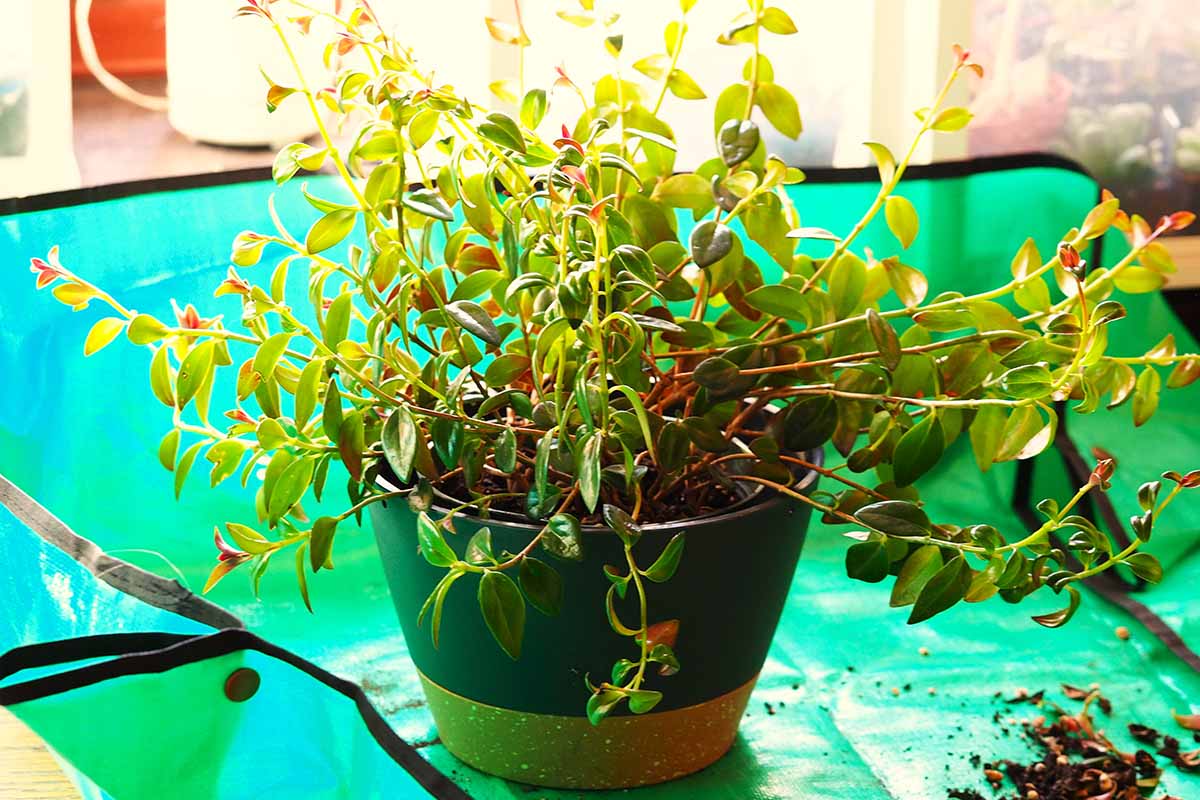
(36, 148)
(214, 89)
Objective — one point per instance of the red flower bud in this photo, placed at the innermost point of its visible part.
(1180, 220)
(1189, 481)
(226, 552)
(1102, 473)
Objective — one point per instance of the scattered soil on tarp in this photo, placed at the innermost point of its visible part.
(1076, 761)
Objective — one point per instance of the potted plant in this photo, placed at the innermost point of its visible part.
(568, 418)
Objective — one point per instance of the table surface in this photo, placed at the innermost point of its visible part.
(27, 770)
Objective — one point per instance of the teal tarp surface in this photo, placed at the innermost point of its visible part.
(81, 437)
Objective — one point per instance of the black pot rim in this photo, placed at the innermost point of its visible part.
(751, 504)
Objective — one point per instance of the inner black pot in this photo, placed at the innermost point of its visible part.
(727, 594)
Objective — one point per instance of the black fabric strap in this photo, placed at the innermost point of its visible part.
(66, 651)
(151, 653)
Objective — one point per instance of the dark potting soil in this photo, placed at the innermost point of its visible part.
(687, 500)
(1076, 761)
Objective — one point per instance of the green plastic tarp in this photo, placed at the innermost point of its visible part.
(80, 436)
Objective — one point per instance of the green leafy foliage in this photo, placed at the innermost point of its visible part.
(493, 319)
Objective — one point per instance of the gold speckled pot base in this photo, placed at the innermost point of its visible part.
(570, 753)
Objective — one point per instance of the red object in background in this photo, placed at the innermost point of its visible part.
(130, 37)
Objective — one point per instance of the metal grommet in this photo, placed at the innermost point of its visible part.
(241, 684)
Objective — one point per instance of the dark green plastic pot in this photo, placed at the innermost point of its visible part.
(524, 719)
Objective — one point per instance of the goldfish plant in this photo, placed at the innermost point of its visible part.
(501, 314)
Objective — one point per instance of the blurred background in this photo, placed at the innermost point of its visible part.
(101, 91)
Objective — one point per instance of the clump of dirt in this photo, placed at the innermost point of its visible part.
(1076, 761)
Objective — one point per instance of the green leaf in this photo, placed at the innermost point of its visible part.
(1145, 566)
(947, 586)
(601, 704)
(685, 190)
(505, 452)
(639, 411)
(867, 561)
(542, 584)
(160, 378)
(909, 284)
(643, 700)
(1027, 381)
(730, 105)
(533, 108)
(307, 389)
(476, 284)
(715, 372)
(102, 334)
(428, 202)
(247, 538)
(270, 434)
(896, 517)
(1100, 218)
(399, 439)
(809, 422)
(350, 443)
(737, 139)
(502, 130)
(1139, 280)
(184, 466)
(1145, 395)
(917, 571)
(439, 601)
(684, 86)
(476, 206)
(168, 448)
(780, 108)
(337, 320)
(473, 318)
(269, 353)
(589, 469)
(885, 338)
(479, 548)
(1027, 260)
(622, 524)
(665, 565)
(778, 300)
(847, 282)
(145, 329)
(918, 450)
(777, 21)
(320, 542)
(951, 119)
(710, 242)
(331, 413)
(301, 578)
(1185, 373)
(884, 160)
(433, 544)
(329, 230)
(986, 433)
(290, 487)
(506, 369)
(193, 372)
(902, 219)
(503, 609)
(563, 538)
(225, 457)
